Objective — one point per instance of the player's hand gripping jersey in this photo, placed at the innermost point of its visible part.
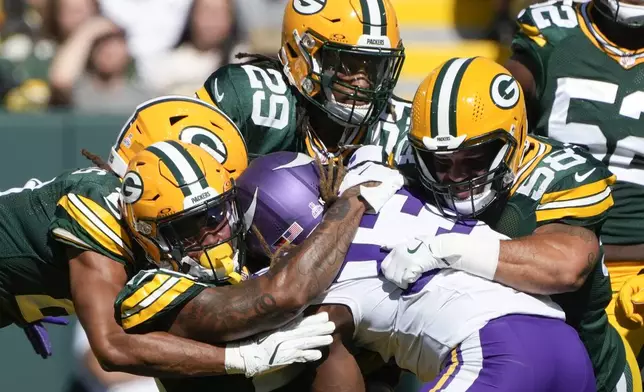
(443, 323)
(422, 325)
(78, 209)
(590, 92)
(529, 183)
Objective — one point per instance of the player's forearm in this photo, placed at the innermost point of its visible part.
(106, 378)
(302, 274)
(624, 252)
(555, 259)
(160, 354)
(296, 277)
(339, 371)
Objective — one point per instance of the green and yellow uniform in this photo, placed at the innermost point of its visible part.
(150, 301)
(266, 109)
(560, 183)
(37, 223)
(591, 92)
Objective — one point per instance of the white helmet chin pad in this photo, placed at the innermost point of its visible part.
(348, 114)
(474, 205)
(627, 14)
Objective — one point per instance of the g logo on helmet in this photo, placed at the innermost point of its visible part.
(207, 140)
(308, 7)
(132, 188)
(505, 91)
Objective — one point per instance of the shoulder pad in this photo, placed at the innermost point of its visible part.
(256, 97)
(88, 216)
(568, 183)
(548, 22)
(151, 294)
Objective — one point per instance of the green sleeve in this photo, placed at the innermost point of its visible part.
(220, 90)
(258, 99)
(150, 300)
(579, 196)
(538, 36)
(88, 216)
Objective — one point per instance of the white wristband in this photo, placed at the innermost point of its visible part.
(476, 255)
(233, 361)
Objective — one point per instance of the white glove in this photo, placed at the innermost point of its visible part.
(408, 261)
(271, 350)
(367, 165)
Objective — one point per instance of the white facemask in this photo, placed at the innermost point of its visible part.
(477, 202)
(627, 14)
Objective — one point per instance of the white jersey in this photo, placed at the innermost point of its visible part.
(419, 326)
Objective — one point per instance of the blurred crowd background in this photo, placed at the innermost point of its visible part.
(105, 56)
(71, 71)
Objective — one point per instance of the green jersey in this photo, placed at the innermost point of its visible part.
(589, 92)
(259, 99)
(37, 222)
(149, 302)
(559, 183)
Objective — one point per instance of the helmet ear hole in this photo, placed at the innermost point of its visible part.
(176, 119)
(291, 51)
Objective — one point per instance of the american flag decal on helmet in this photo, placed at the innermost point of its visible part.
(289, 235)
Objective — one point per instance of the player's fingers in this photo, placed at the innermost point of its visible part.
(308, 343)
(413, 276)
(387, 267)
(309, 331)
(318, 318)
(309, 356)
(401, 282)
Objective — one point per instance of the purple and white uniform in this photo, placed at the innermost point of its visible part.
(463, 332)
(458, 331)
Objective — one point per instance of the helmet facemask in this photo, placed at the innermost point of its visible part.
(352, 84)
(205, 241)
(467, 180)
(627, 15)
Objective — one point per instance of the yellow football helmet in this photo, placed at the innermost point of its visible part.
(468, 132)
(185, 119)
(180, 205)
(344, 56)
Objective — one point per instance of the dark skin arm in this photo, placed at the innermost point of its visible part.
(339, 370)
(555, 259)
(297, 276)
(518, 65)
(95, 281)
(616, 253)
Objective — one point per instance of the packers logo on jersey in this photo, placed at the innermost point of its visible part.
(207, 140)
(132, 188)
(505, 91)
(308, 7)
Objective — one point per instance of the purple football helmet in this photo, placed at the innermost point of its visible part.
(280, 194)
